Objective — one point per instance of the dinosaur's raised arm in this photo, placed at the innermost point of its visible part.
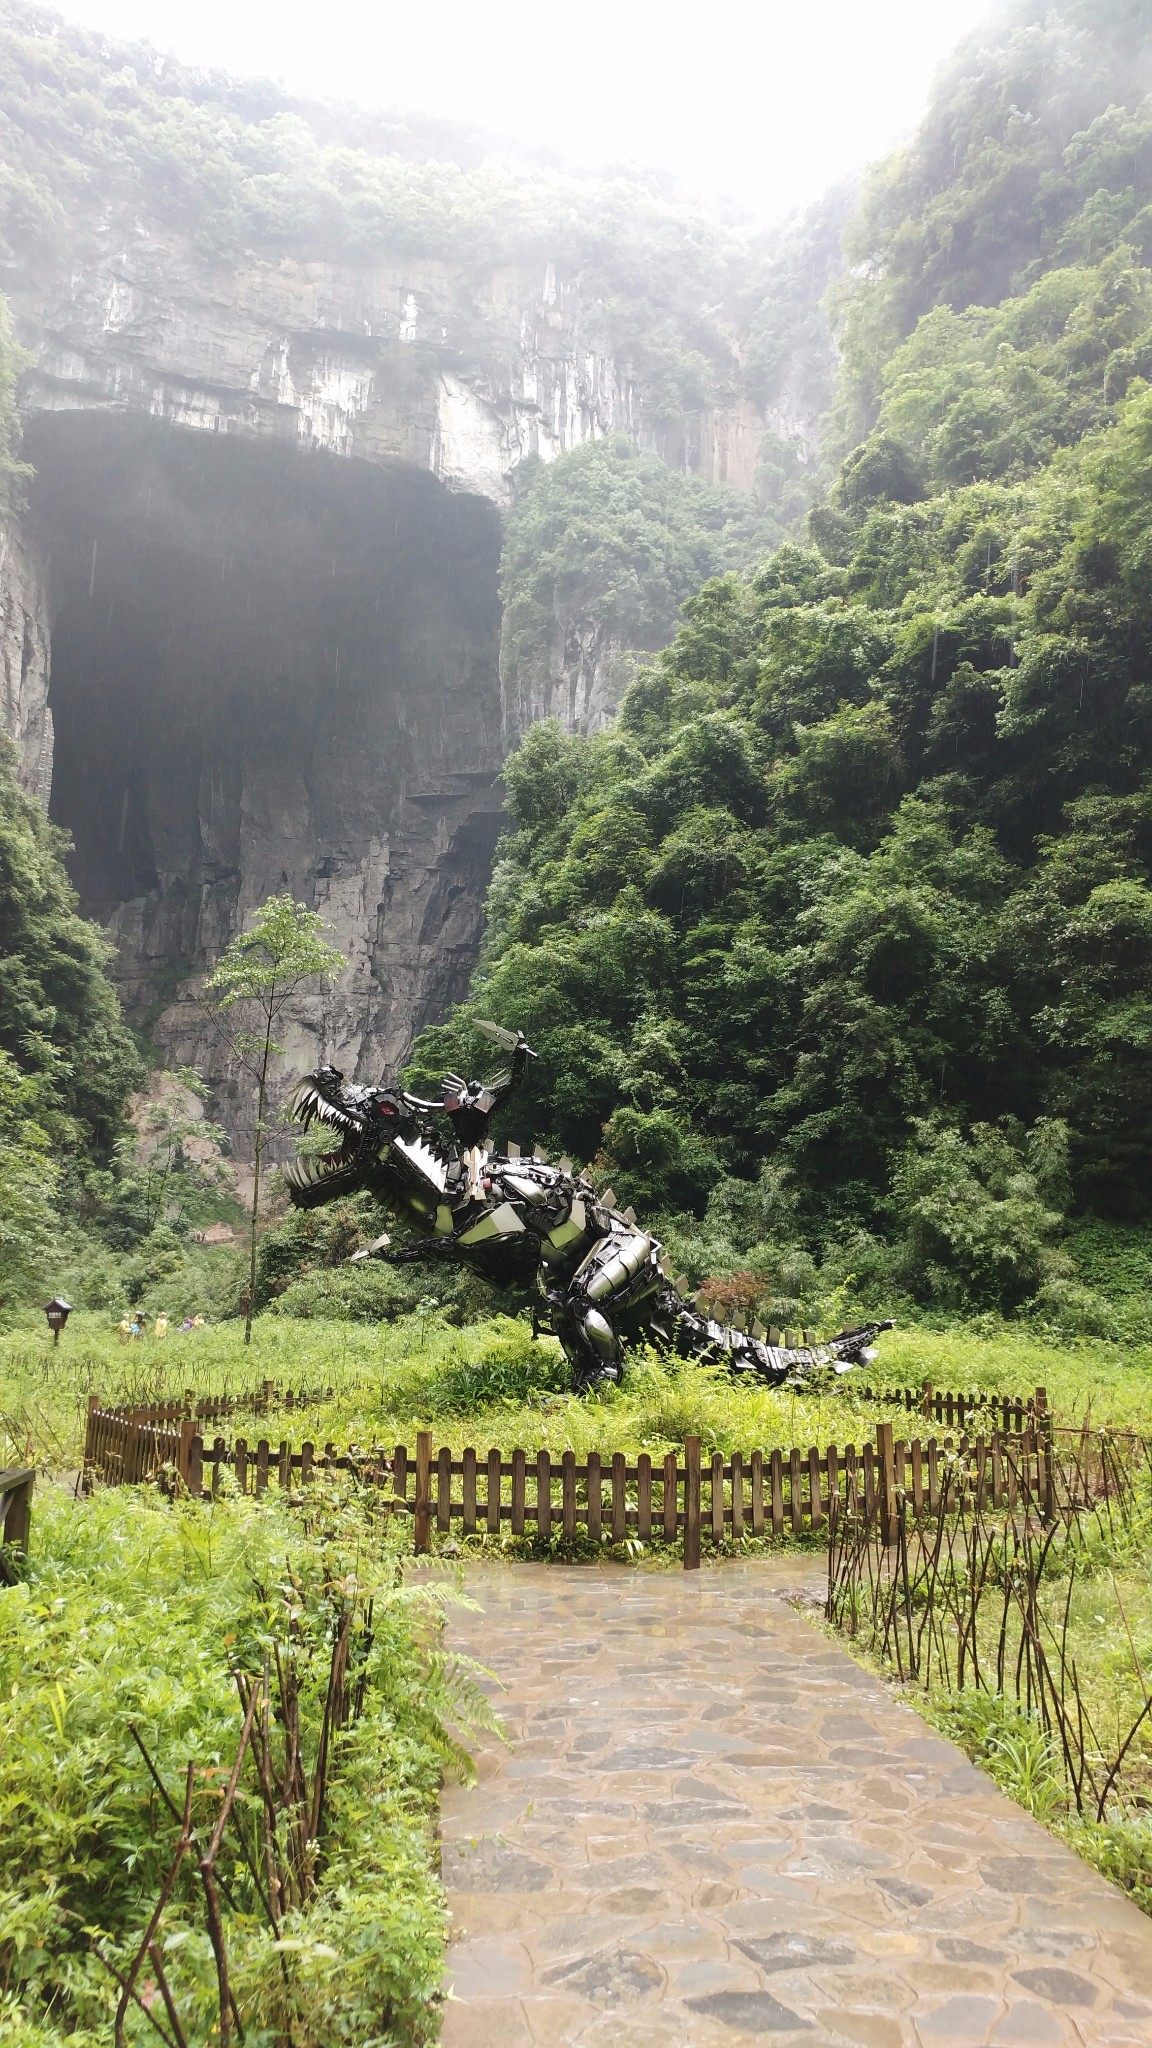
(472, 1104)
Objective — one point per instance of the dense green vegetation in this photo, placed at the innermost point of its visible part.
(601, 550)
(858, 884)
(137, 1616)
(1033, 155)
(66, 1058)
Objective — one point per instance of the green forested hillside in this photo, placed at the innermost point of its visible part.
(601, 549)
(1034, 154)
(67, 1060)
(855, 901)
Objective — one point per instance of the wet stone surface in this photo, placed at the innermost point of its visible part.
(712, 1828)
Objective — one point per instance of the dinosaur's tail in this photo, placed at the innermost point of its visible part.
(692, 1335)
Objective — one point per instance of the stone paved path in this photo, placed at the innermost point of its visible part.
(713, 1827)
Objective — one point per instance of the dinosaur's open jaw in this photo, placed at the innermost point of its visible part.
(314, 1173)
(316, 1169)
(309, 1104)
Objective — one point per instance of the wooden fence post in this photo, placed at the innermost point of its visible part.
(18, 1511)
(691, 1503)
(184, 1454)
(671, 1506)
(1046, 1461)
(886, 1461)
(423, 1492)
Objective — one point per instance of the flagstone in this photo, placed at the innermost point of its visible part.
(710, 1828)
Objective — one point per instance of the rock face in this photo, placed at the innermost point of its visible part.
(588, 671)
(25, 654)
(255, 590)
(460, 378)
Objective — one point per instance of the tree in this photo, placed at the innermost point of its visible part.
(181, 1185)
(257, 976)
(27, 1184)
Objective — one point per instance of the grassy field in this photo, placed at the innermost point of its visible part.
(136, 1611)
(492, 1384)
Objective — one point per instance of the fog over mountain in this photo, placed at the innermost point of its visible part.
(764, 106)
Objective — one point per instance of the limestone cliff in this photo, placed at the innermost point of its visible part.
(461, 377)
(254, 586)
(262, 543)
(25, 654)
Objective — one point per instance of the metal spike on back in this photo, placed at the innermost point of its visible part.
(737, 1321)
(682, 1284)
(565, 1163)
(629, 1215)
(608, 1199)
(758, 1331)
(512, 1149)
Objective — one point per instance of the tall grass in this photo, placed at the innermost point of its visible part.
(491, 1384)
(1029, 1635)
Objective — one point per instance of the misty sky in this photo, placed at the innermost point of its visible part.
(769, 102)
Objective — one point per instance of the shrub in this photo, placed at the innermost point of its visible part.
(373, 1292)
(307, 1240)
(514, 1368)
(977, 1229)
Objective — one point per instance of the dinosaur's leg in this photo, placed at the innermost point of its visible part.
(618, 1269)
(590, 1344)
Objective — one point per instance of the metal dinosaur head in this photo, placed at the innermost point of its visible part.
(365, 1124)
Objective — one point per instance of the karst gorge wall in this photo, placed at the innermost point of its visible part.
(250, 599)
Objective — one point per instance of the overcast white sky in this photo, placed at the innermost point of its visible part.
(768, 102)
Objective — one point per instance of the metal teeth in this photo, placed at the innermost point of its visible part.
(307, 1173)
(306, 1105)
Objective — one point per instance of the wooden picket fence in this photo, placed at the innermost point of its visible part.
(123, 1446)
(1007, 1414)
(680, 1496)
(266, 1399)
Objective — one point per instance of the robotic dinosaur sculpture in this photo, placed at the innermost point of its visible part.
(516, 1217)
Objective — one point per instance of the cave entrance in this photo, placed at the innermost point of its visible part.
(271, 670)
